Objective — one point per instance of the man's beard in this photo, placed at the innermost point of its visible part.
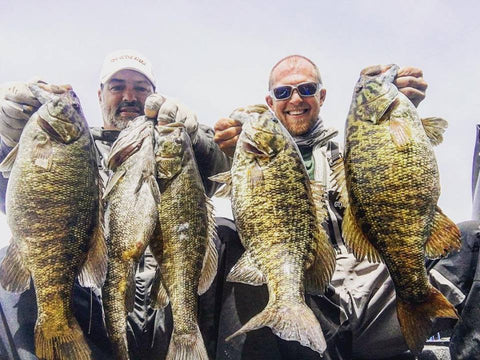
(114, 118)
(296, 128)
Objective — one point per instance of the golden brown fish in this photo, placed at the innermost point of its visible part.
(53, 210)
(278, 215)
(393, 186)
(183, 244)
(130, 218)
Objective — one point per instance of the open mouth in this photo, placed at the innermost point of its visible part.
(297, 112)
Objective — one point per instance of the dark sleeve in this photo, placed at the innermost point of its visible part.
(210, 159)
(4, 150)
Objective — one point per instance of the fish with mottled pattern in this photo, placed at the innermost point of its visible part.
(54, 213)
(131, 216)
(279, 214)
(393, 186)
(183, 242)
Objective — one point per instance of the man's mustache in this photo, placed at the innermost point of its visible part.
(124, 104)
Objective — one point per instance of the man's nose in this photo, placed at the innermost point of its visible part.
(296, 98)
(129, 95)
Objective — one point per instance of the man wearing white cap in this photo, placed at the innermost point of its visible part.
(126, 81)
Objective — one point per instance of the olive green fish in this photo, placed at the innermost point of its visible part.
(393, 186)
(54, 213)
(278, 214)
(130, 218)
(183, 244)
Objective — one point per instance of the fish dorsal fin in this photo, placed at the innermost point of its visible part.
(445, 236)
(158, 294)
(318, 276)
(94, 269)
(7, 164)
(434, 128)
(223, 178)
(319, 200)
(339, 181)
(246, 272)
(14, 275)
(210, 261)
(112, 181)
(400, 131)
(356, 240)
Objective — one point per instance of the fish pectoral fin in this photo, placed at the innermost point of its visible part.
(7, 164)
(14, 275)
(445, 236)
(112, 181)
(223, 178)
(94, 269)
(158, 294)
(339, 181)
(246, 272)
(210, 261)
(319, 274)
(209, 268)
(356, 240)
(416, 318)
(42, 154)
(434, 128)
(255, 175)
(400, 132)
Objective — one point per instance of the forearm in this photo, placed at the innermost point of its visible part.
(210, 159)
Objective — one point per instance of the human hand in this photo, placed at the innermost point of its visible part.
(17, 104)
(227, 131)
(410, 82)
(167, 111)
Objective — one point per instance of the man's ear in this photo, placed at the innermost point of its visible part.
(269, 101)
(323, 94)
(99, 95)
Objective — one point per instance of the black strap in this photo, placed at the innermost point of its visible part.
(334, 151)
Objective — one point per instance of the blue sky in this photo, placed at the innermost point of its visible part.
(216, 55)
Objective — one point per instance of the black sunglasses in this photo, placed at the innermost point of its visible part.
(284, 92)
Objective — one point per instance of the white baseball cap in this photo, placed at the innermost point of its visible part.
(126, 60)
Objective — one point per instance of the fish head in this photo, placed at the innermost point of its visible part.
(172, 142)
(263, 136)
(60, 116)
(374, 92)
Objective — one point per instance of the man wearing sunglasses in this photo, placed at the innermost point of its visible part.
(357, 313)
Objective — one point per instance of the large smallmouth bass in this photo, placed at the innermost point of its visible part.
(393, 186)
(54, 211)
(131, 216)
(278, 214)
(183, 242)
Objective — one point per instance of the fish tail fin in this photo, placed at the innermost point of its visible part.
(416, 319)
(290, 322)
(61, 344)
(187, 346)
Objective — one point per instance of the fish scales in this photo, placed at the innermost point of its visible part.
(278, 216)
(131, 217)
(393, 187)
(183, 245)
(53, 213)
